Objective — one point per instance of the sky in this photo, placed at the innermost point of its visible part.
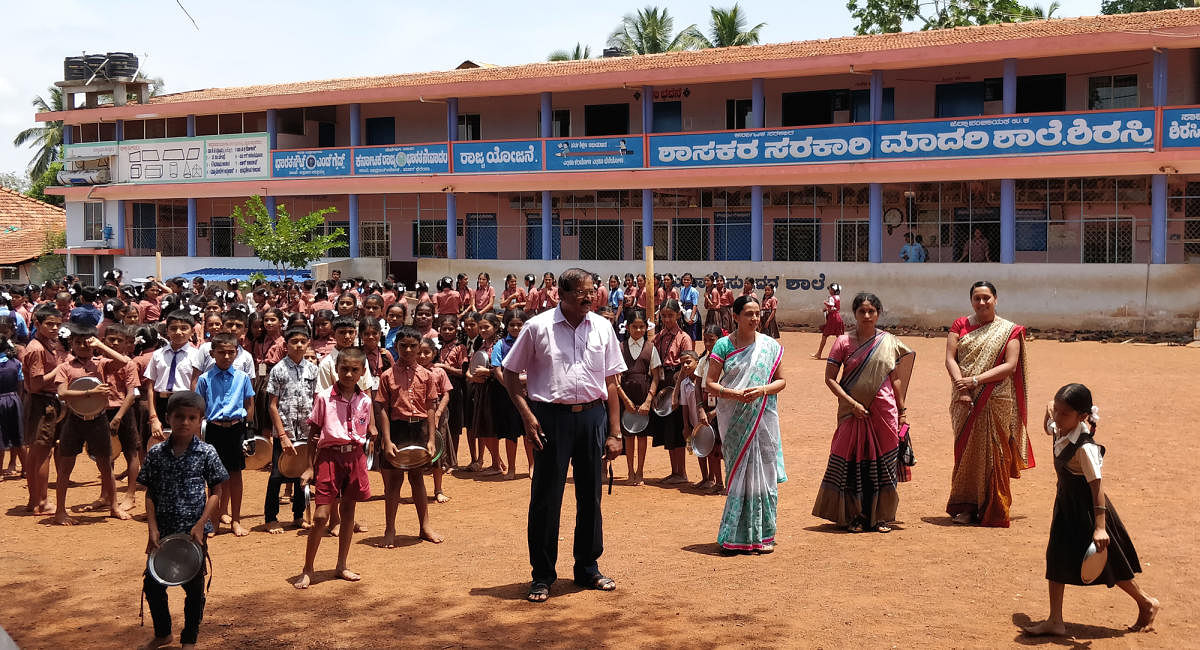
(266, 41)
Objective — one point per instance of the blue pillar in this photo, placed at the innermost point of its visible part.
(1008, 187)
(191, 126)
(875, 210)
(272, 128)
(545, 130)
(67, 133)
(352, 208)
(1158, 182)
(757, 104)
(120, 224)
(120, 130)
(756, 223)
(269, 203)
(451, 227)
(355, 125)
(647, 194)
(191, 227)
(452, 119)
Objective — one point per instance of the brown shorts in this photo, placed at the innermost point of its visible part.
(341, 475)
(41, 420)
(76, 431)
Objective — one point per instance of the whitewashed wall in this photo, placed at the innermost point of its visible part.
(1124, 297)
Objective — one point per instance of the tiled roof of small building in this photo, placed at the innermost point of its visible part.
(24, 224)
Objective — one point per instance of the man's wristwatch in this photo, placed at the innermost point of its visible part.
(616, 437)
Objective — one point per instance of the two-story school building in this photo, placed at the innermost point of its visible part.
(1070, 141)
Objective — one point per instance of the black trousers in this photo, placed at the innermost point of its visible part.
(193, 607)
(276, 480)
(572, 439)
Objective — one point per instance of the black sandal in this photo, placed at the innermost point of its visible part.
(539, 592)
(599, 582)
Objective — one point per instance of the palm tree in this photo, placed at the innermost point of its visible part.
(728, 28)
(581, 51)
(649, 31)
(46, 139)
(1037, 12)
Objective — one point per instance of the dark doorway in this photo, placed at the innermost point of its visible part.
(606, 119)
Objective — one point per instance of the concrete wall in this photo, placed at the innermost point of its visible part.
(1125, 297)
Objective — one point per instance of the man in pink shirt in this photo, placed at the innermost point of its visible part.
(572, 361)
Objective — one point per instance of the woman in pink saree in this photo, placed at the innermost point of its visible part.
(858, 491)
(985, 357)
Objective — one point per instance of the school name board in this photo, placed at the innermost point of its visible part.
(1181, 128)
(187, 160)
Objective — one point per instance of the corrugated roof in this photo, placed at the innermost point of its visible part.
(221, 274)
(24, 224)
(1145, 23)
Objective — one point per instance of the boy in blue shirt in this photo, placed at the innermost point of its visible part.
(229, 400)
(176, 474)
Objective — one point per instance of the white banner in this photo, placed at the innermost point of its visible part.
(187, 160)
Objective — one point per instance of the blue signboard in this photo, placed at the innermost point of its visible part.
(766, 147)
(492, 157)
(402, 159)
(1181, 127)
(310, 163)
(573, 154)
(981, 137)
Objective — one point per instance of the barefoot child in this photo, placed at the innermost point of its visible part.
(484, 422)
(76, 430)
(452, 360)
(39, 364)
(176, 474)
(637, 388)
(291, 386)
(1083, 514)
(438, 418)
(671, 342)
(229, 400)
(121, 419)
(708, 404)
(11, 437)
(832, 309)
(340, 422)
(686, 398)
(405, 394)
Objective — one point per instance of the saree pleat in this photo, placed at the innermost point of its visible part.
(862, 474)
(991, 444)
(750, 436)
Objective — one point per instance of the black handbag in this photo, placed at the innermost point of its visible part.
(907, 457)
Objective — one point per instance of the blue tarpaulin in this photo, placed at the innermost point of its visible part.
(214, 274)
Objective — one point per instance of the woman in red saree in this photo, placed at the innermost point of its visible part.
(985, 356)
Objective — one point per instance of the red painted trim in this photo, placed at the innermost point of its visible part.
(89, 251)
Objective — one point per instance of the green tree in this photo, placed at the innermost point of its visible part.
(727, 28)
(37, 188)
(883, 16)
(50, 266)
(286, 243)
(652, 31)
(1037, 12)
(580, 52)
(46, 138)
(1137, 6)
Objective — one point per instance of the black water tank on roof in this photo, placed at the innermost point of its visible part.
(122, 64)
(97, 64)
(74, 69)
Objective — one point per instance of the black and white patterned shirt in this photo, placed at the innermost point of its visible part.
(176, 484)
(294, 384)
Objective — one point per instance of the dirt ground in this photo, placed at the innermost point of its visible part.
(928, 584)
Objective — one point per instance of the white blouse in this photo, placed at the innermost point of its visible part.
(1089, 462)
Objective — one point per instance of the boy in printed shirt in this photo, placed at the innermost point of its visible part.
(229, 401)
(39, 362)
(176, 474)
(291, 386)
(76, 430)
(172, 368)
(341, 422)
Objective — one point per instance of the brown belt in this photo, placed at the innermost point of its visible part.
(573, 408)
(342, 449)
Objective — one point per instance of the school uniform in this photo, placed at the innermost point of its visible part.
(1078, 461)
(244, 361)
(120, 384)
(327, 374)
(768, 325)
(41, 419)
(171, 370)
(454, 355)
(641, 359)
(266, 353)
(78, 430)
(442, 385)
(139, 411)
(341, 464)
(225, 393)
(483, 300)
(404, 395)
(507, 298)
(447, 301)
(506, 421)
(176, 486)
(668, 430)
(483, 423)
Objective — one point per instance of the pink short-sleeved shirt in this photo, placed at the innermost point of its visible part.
(447, 302)
(484, 299)
(564, 364)
(342, 422)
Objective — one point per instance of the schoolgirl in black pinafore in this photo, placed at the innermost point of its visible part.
(667, 430)
(1074, 523)
(636, 380)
